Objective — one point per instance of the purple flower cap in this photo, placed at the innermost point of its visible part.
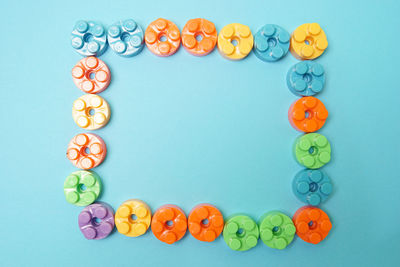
(96, 221)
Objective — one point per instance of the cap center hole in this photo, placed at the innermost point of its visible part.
(133, 217)
(92, 75)
(87, 37)
(169, 223)
(307, 78)
(125, 37)
(234, 42)
(82, 187)
(313, 187)
(240, 232)
(96, 221)
(275, 230)
(163, 38)
(312, 150)
(205, 222)
(199, 37)
(309, 41)
(91, 112)
(271, 42)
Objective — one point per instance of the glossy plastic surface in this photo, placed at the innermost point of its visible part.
(82, 188)
(312, 224)
(155, 34)
(205, 222)
(312, 150)
(91, 75)
(306, 78)
(271, 43)
(89, 38)
(96, 221)
(241, 232)
(203, 30)
(276, 229)
(312, 186)
(169, 224)
(235, 41)
(126, 38)
(308, 41)
(86, 150)
(91, 112)
(307, 114)
(133, 218)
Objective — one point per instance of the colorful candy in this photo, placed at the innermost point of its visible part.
(312, 186)
(169, 224)
(203, 30)
(162, 37)
(307, 114)
(96, 221)
(133, 218)
(126, 38)
(82, 188)
(91, 112)
(86, 151)
(91, 75)
(235, 41)
(312, 150)
(241, 233)
(205, 222)
(271, 43)
(276, 229)
(89, 38)
(308, 41)
(306, 78)
(312, 224)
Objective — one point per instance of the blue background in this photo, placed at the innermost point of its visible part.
(186, 130)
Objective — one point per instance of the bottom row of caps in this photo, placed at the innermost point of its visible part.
(205, 223)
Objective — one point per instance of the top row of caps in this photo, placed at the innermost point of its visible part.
(199, 37)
